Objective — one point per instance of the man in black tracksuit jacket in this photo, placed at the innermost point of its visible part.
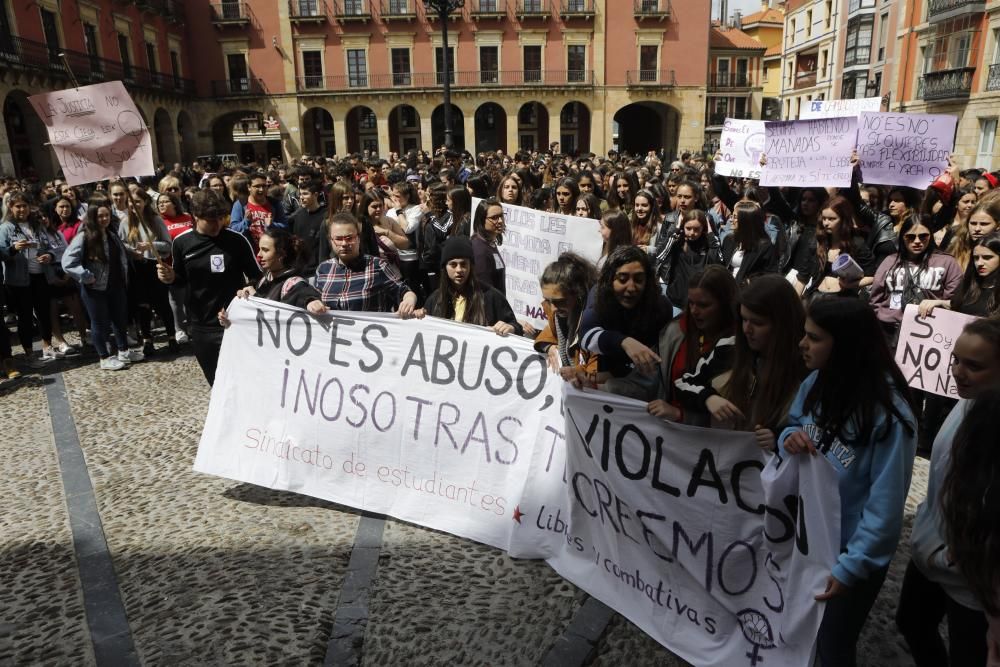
(213, 263)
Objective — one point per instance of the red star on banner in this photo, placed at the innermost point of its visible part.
(518, 514)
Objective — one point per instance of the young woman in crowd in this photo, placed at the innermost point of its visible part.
(623, 186)
(64, 218)
(986, 182)
(691, 248)
(67, 191)
(405, 209)
(835, 237)
(854, 408)
(748, 251)
(704, 329)
(510, 191)
(487, 237)
(976, 295)
(63, 291)
(616, 231)
(902, 205)
(26, 251)
(767, 364)
(645, 220)
(588, 185)
(959, 222)
(98, 260)
(623, 318)
(448, 214)
(460, 297)
(217, 184)
(567, 192)
(388, 234)
(588, 206)
(953, 568)
(565, 285)
(177, 222)
(148, 241)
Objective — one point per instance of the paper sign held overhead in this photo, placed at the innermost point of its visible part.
(741, 144)
(905, 148)
(96, 132)
(839, 108)
(809, 153)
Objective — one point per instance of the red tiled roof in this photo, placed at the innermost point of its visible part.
(769, 15)
(773, 51)
(732, 38)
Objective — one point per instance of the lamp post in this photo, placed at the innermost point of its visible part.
(443, 9)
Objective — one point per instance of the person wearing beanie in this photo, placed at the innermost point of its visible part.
(462, 298)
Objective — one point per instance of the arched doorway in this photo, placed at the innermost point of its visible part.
(317, 132)
(25, 132)
(164, 129)
(491, 128)
(362, 130)
(457, 127)
(532, 127)
(404, 129)
(252, 135)
(574, 121)
(646, 126)
(185, 130)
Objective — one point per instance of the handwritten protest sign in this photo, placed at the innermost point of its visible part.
(839, 108)
(533, 240)
(925, 347)
(96, 131)
(803, 153)
(741, 144)
(688, 532)
(905, 148)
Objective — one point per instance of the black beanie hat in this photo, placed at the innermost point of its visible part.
(457, 247)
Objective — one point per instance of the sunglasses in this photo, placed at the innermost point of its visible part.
(910, 238)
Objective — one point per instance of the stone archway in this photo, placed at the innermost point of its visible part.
(532, 127)
(166, 145)
(317, 132)
(457, 127)
(646, 126)
(404, 129)
(574, 121)
(362, 130)
(491, 128)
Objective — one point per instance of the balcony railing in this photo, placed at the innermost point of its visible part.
(353, 10)
(463, 79)
(949, 84)
(651, 9)
(533, 9)
(238, 86)
(993, 81)
(489, 9)
(941, 10)
(650, 77)
(719, 119)
(230, 12)
(398, 10)
(731, 80)
(308, 11)
(36, 56)
(582, 9)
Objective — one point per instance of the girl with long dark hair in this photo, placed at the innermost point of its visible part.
(487, 236)
(691, 248)
(977, 294)
(588, 206)
(748, 251)
(148, 242)
(835, 237)
(623, 186)
(565, 284)
(566, 194)
(616, 230)
(645, 220)
(854, 408)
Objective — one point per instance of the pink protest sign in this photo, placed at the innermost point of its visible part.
(905, 148)
(925, 347)
(741, 144)
(96, 131)
(809, 153)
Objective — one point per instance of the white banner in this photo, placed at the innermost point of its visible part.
(809, 153)
(451, 427)
(924, 349)
(741, 144)
(839, 108)
(908, 149)
(533, 240)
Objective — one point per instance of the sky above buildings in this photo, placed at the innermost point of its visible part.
(745, 6)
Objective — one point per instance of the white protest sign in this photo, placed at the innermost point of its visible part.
(425, 420)
(925, 347)
(905, 148)
(741, 144)
(809, 153)
(838, 108)
(670, 525)
(96, 131)
(533, 240)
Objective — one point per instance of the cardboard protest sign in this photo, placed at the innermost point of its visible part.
(809, 153)
(839, 108)
(96, 131)
(741, 144)
(925, 347)
(905, 148)
(533, 240)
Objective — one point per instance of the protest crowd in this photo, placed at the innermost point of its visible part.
(716, 301)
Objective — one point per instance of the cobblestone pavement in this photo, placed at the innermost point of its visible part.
(215, 572)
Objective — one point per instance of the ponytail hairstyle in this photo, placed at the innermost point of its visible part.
(288, 246)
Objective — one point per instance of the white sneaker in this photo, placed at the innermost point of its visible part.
(66, 349)
(136, 354)
(112, 364)
(123, 357)
(181, 337)
(50, 354)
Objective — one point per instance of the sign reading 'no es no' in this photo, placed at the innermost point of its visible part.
(96, 131)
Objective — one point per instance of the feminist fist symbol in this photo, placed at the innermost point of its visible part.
(757, 630)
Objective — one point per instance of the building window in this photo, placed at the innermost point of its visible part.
(408, 117)
(958, 53)
(51, 31)
(123, 53)
(809, 23)
(533, 6)
(354, 7)
(855, 86)
(439, 64)
(576, 63)
(527, 115)
(400, 67)
(489, 64)
(308, 8)
(175, 66)
(90, 43)
(648, 55)
(532, 63)
(397, 7)
(357, 68)
(312, 69)
(858, 50)
(987, 137)
(151, 57)
(855, 5)
(239, 82)
(368, 120)
(883, 35)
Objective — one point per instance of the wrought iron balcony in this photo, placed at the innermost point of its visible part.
(993, 82)
(230, 13)
(949, 84)
(489, 9)
(353, 10)
(459, 80)
(398, 10)
(533, 9)
(17, 52)
(238, 86)
(727, 80)
(943, 10)
(651, 9)
(577, 9)
(308, 11)
(650, 77)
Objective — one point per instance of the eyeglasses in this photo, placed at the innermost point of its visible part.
(910, 238)
(495, 218)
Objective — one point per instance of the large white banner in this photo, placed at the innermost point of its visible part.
(839, 108)
(532, 241)
(455, 428)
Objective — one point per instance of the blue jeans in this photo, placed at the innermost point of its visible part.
(108, 310)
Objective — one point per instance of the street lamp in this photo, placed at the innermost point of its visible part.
(443, 8)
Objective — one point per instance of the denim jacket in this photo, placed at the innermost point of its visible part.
(88, 273)
(15, 263)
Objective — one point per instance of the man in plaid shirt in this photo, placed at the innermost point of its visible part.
(352, 281)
